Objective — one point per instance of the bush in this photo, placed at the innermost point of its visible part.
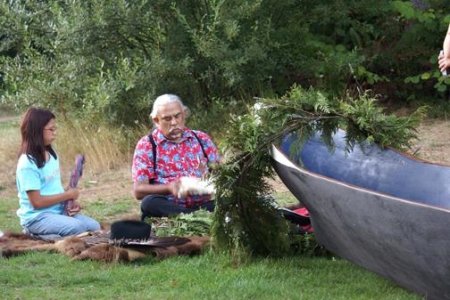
(107, 61)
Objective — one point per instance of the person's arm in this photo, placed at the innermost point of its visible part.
(142, 189)
(209, 147)
(141, 166)
(444, 60)
(29, 179)
(39, 201)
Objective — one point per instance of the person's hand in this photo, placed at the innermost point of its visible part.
(444, 62)
(174, 188)
(72, 193)
(74, 208)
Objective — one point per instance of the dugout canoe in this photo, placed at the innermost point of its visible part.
(383, 210)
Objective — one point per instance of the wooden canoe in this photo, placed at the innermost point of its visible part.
(378, 208)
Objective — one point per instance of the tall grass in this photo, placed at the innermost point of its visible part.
(6, 111)
(9, 146)
(105, 148)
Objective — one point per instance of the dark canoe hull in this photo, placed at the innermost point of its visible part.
(403, 240)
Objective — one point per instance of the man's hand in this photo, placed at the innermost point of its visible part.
(174, 188)
(141, 189)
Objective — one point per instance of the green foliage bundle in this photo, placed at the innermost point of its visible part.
(196, 223)
(246, 219)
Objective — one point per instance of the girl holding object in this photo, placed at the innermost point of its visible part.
(38, 178)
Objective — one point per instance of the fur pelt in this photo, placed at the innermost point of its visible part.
(96, 246)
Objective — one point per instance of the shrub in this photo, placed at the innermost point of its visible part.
(106, 61)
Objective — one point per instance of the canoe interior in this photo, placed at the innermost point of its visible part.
(370, 167)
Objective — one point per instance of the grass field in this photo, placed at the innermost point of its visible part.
(107, 197)
(210, 276)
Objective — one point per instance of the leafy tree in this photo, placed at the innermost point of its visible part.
(106, 60)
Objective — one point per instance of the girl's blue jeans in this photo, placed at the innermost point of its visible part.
(50, 224)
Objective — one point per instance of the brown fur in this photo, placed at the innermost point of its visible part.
(95, 246)
(195, 246)
(105, 253)
(70, 246)
(12, 244)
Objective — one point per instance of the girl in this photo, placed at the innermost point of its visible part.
(38, 178)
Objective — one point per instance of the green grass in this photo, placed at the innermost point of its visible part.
(9, 221)
(210, 276)
(104, 210)
(285, 198)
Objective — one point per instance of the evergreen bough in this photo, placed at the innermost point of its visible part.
(246, 221)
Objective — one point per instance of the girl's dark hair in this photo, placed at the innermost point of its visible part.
(32, 130)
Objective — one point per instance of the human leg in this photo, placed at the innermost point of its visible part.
(209, 206)
(88, 223)
(49, 224)
(161, 206)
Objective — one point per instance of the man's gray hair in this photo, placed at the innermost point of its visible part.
(166, 99)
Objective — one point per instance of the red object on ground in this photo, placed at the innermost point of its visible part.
(303, 211)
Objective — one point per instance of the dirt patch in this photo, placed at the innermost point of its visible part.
(434, 141)
(114, 184)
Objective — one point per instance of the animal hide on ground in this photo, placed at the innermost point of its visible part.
(97, 246)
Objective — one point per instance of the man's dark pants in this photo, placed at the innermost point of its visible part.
(161, 206)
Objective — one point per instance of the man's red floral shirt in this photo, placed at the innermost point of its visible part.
(174, 160)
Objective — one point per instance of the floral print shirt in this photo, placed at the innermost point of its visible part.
(174, 160)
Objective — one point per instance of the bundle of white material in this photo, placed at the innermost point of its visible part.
(195, 186)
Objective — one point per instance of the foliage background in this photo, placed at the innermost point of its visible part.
(105, 61)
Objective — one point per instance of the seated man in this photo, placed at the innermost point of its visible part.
(169, 152)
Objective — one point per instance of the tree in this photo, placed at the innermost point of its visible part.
(107, 60)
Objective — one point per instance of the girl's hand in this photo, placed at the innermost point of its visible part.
(74, 209)
(72, 193)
